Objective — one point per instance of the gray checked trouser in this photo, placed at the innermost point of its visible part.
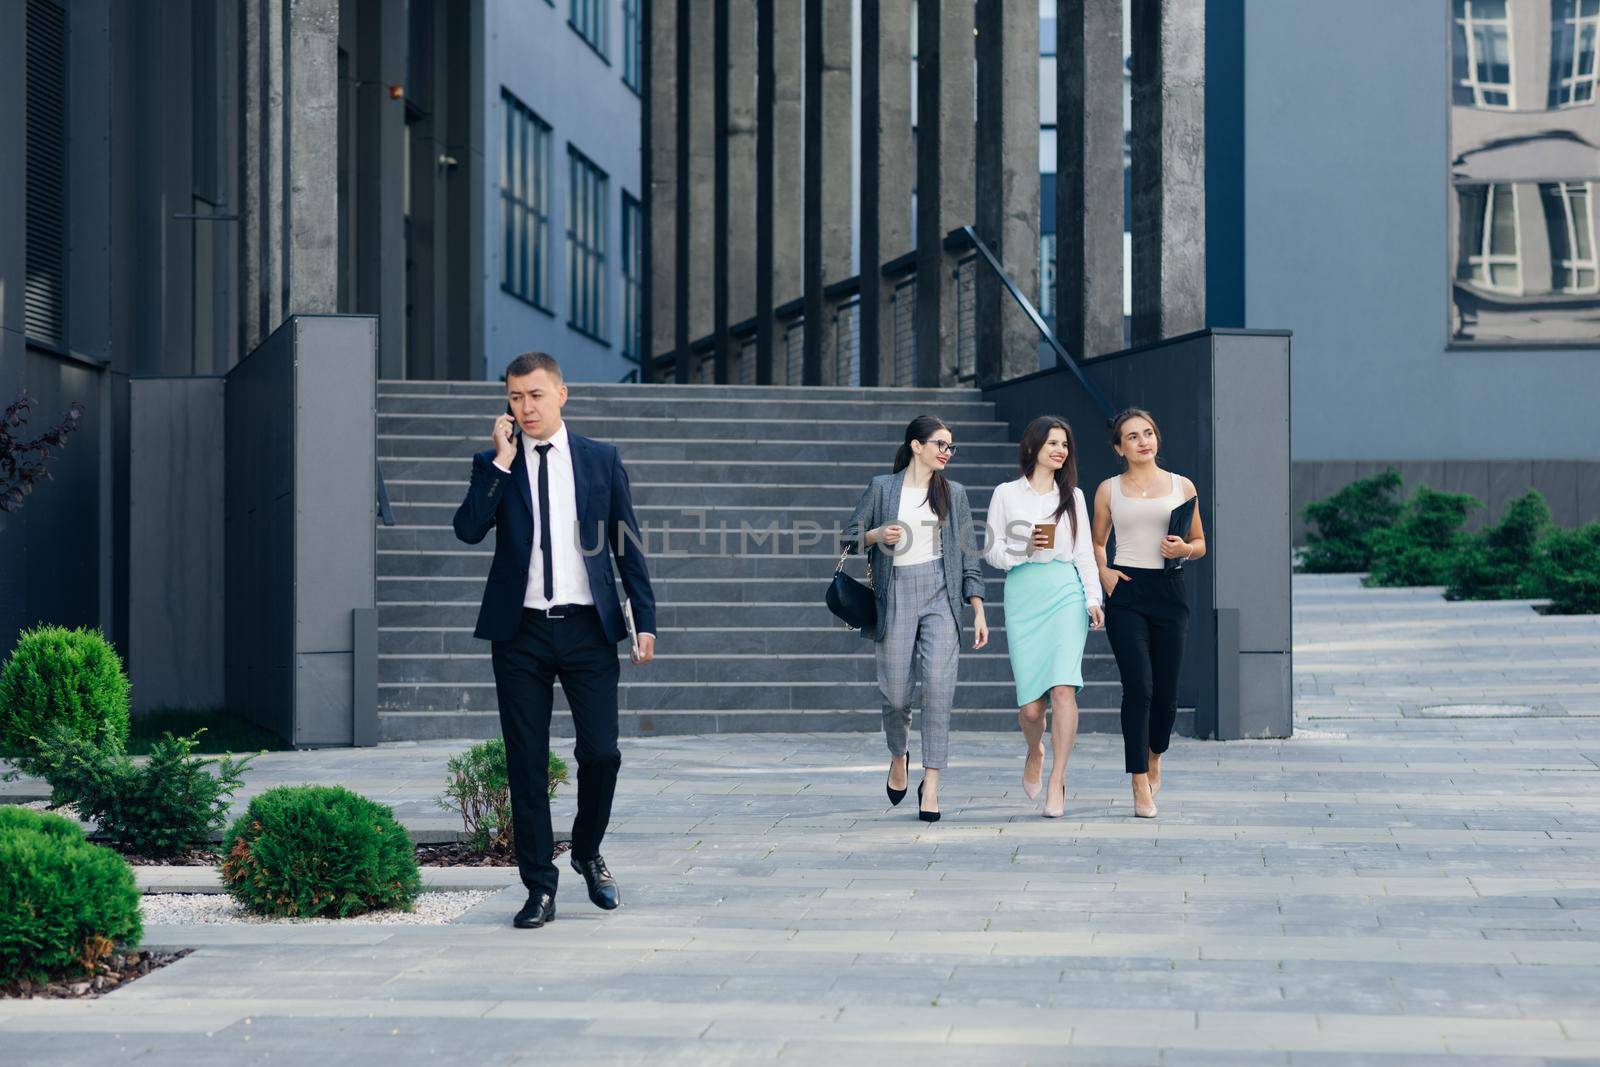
(920, 633)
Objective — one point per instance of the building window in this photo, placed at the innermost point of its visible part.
(632, 264)
(631, 44)
(1573, 27)
(1482, 55)
(1570, 223)
(588, 17)
(525, 203)
(1489, 258)
(586, 245)
(44, 284)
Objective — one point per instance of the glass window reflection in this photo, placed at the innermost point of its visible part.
(1524, 168)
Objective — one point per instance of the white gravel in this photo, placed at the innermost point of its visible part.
(171, 908)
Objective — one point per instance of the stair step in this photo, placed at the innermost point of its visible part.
(618, 430)
(797, 531)
(726, 641)
(787, 667)
(695, 473)
(626, 390)
(809, 449)
(653, 696)
(810, 613)
(773, 411)
(442, 725)
(448, 485)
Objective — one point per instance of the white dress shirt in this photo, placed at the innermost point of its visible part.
(1015, 507)
(920, 542)
(570, 580)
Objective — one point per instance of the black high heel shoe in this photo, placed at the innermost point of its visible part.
(925, 816)
(897, 795)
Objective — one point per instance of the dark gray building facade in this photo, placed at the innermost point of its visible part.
(182, 177)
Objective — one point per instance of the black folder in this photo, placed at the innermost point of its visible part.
(1178, 526)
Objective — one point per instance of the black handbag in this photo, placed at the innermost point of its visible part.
(854, 603)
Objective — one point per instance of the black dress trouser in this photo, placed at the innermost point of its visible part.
(1147, 619)
(575, 650)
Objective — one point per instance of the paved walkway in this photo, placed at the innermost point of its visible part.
(1387, 887)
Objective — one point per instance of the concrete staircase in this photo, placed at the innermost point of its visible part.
(745, 642)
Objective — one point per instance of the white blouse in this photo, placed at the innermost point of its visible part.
(1014, 508)
(920, 541)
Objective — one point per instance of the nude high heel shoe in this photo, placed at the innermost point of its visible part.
(1143, 811)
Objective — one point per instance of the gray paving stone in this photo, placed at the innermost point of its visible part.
(1384, 888)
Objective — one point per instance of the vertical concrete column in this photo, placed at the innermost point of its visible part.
(1169, 195)
(887, 171)
(1007, 185)
(249, 247)
(1089, 176)
(683, 359)
(700, 102)
(380, 62)
(766, 143)
(311, 107)
(740, 231)
(945, 174)
(788, 199)
(827, 171)
(262, 247)
(661, 121)
(722, 354)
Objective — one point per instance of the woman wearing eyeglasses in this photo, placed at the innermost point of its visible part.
(915, 526)
(1052, 595)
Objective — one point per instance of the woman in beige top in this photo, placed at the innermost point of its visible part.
(1147, 607)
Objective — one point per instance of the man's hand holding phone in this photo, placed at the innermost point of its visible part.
(505, 441)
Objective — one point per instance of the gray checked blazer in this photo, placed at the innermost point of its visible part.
(963, 573)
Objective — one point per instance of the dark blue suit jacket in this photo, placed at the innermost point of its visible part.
(504, 502)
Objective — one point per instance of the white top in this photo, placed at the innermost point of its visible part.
(569, 579)
(1015, 507)
(1141, 524)
(921, 541)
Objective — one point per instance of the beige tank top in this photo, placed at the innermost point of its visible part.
(1141, 524)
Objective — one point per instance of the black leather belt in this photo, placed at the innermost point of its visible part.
(560, 611)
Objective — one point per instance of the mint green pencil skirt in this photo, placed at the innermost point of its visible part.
(1046, 627)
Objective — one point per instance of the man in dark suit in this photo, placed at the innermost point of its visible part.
(557, 502)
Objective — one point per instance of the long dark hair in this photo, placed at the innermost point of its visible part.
(1033, 439)
(920, 429)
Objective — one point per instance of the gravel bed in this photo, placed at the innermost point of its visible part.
(219, 908)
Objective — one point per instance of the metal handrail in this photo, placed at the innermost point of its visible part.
(384, 511)
(1062, 358)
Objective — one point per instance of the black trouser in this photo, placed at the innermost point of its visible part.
(575, 650)
(1146, 620)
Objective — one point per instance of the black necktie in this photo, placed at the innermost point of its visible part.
(544, 521)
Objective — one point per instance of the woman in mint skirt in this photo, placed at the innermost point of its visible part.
(1039, 534)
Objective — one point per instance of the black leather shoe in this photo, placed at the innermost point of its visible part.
(897, 795)
(924, 815)
(540, 909)
(602, 887)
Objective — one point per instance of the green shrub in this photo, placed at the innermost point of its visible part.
(1345, 523)
(13, 817)
(1570, 570)
(479, 791)
(67, 678)
(164, 807)
(1502, 562)
(1421, 548)
(319, 850)
(64, 903)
